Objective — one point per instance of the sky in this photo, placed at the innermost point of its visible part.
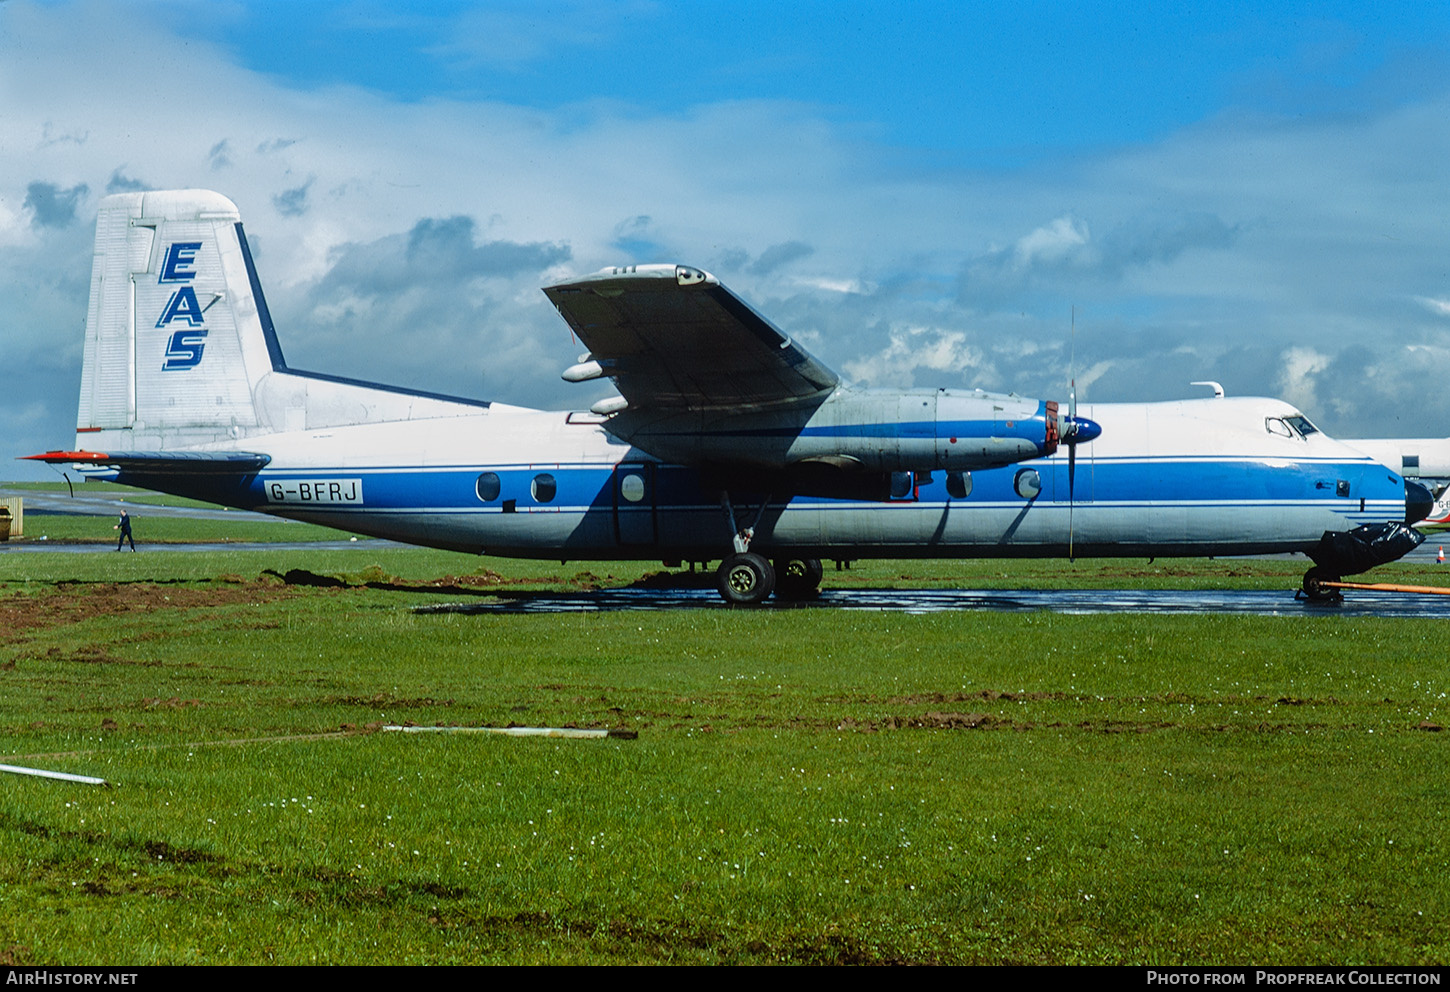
(988, 195)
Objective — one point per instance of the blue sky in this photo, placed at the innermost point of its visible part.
(987, 81)
(921, 193)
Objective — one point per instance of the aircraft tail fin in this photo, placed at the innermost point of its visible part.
(180, 350)
(175, 345)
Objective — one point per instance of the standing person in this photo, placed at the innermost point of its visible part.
(124, 526)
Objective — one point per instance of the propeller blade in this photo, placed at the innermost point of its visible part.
(1071, 475)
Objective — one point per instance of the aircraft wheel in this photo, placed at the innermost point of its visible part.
(745, 579)
(798, 578)
(1315, 591)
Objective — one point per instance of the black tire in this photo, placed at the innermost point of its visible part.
(745, 579)
(798, 578)
(1315, 591)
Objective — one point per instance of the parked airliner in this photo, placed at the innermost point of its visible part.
(1426, 460)
(727, 440)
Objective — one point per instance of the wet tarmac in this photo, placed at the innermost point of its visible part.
(1062, 601)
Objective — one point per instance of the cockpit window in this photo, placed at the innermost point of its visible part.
(1302, 425)
(1296, 426)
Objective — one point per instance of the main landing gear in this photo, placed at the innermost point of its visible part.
(798, 578)
(746, 579)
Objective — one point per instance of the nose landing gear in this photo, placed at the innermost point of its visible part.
(1314, 589)
(1341, 553)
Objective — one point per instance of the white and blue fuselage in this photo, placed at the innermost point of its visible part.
(1197, 477)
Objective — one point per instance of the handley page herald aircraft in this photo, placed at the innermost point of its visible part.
(727, 441)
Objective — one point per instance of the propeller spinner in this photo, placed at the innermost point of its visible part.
(1072, 429)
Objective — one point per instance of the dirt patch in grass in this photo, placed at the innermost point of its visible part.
(385, 699)
(92, 654)
(483, 582)
(987, 695)
(932, 719)
(70, 602)
(14, 954)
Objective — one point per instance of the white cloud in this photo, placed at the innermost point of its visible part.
(1085, 379)
(1440, 308)
(913, 350)
(853, 286)
(1053, 244)
(1297, 382)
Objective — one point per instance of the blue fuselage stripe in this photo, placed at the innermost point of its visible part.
(599, 509)
(1145, 483)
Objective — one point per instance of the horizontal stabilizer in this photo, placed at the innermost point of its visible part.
(162, 462)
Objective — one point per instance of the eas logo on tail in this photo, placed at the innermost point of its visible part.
(184, 349)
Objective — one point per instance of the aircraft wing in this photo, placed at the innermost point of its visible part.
(672, 337)
(162, 462)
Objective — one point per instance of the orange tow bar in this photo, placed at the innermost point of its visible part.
(1388, 587)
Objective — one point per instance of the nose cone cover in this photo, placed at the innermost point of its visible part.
(1418, 502)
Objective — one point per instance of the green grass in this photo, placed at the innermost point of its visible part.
(107, 490)
(417, 564)
(807, 786)
(150, 530)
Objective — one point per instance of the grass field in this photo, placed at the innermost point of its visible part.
(152, 527)
(806, 786)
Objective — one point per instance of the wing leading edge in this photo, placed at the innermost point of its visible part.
(672, 337)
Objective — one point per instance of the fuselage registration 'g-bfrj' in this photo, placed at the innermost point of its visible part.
(727, 440)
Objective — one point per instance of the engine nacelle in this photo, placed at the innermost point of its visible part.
(917, 430)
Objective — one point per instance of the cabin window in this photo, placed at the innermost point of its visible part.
(1028, 483)
(959, 484)
(543, 488)
(631, 487)
(488, 487)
